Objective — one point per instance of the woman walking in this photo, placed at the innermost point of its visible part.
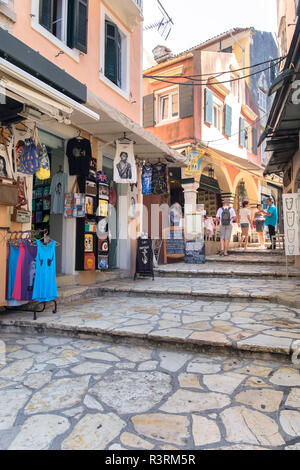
(245, 221)
(259, 220)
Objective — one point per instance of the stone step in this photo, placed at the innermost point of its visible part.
(256, 329)
(228, 270)
(246, 258)
(241, 289)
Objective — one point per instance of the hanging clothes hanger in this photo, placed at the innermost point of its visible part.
(79, 136)
(126, 139)
(60, 169)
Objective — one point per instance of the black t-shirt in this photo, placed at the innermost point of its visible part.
(79, 153)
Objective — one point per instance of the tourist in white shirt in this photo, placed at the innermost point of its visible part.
(245, 221)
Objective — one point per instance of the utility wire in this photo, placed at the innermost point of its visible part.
(206, 82)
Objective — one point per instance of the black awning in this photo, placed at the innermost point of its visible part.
(209, 184)
(19, 54)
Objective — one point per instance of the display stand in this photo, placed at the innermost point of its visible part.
(144, 258)
(35, 308)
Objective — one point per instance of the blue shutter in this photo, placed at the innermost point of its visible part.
(46, 14)
(208, 115)
(228, 120)
(254, 141)
(242, 132)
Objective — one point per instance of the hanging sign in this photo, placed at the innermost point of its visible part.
(291, 213)
(195, 158)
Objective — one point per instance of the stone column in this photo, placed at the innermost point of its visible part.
(190, 187)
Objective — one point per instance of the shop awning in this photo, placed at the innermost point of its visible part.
(114, 123)
(23, 87)
(235, 161)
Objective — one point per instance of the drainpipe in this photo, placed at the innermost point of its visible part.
(243, 49)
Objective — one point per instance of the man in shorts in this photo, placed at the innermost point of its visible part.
(226, 216)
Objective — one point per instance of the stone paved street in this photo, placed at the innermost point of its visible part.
(63, 393)
(248, 326)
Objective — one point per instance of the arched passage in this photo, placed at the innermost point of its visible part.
(245, 189)
(214, 185)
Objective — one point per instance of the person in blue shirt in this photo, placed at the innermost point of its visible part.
(271, 221)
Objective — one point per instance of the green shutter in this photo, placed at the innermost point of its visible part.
(46, 14)
(81, 25)
(242, 132)
(208, 115)
(254, 141)
(111, 52)
(228, 120)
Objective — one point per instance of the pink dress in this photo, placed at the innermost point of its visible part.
(17, 292)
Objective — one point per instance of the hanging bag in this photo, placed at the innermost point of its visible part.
(74, 202)
(44, 171)
(21, 215)
(8, 186)
(29, 159)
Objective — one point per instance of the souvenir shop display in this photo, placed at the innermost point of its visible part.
(74, 202)
(79, 153)
(20, 214)
(31, 268)
(8, 185)
(173, 243)
(58, 189)
(146, 179)
(159, 183)
(29, 159)
(125, 170)
(144, 257)
(92, 245)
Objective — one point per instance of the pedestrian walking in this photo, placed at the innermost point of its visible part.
(271, 221)
(245, 219)
(259, 221)
(226, 216)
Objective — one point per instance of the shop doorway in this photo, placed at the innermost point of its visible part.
(41, 198)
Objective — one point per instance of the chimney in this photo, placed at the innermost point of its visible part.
(161, 54)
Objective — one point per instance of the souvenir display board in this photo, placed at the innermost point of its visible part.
(291, 212)
(92, 243)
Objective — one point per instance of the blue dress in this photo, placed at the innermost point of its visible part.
(45, 287)
(12, 269)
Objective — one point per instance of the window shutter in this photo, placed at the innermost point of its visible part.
(111, 52)
(228, 120)
(119, 58)
(242, 132)
(46, 14)
(81, 25)
(208, 115)
(148, 110)
(186, 101)
(254, 141)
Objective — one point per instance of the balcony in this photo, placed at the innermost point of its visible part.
(129, 11)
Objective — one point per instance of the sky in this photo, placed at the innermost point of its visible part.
(198, 20)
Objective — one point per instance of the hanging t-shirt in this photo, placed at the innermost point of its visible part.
(79, 153)
(146, 180)
(57, 191)
(159, 179)
(29, 269)
(124, 164)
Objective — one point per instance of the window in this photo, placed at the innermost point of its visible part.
(67, 20)
(217, 117)
(262, 100)
(168, 106)
(115, 59)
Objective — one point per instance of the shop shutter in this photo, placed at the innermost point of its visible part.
(148, 110)
(81, 25)
(228, 120)
(254, 141)
(208, 114)
(242, 132)
(46, 14)
(186, 101)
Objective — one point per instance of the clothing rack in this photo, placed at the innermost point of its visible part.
(17, 236)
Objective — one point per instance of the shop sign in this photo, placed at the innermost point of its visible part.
(195, 158)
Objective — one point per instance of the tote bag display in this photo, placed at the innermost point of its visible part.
(74, 203)
(8, 185)
(29, 159)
